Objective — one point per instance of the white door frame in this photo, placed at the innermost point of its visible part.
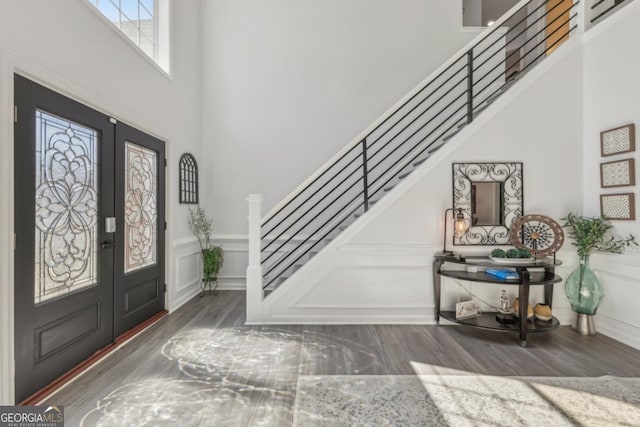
(7, 365)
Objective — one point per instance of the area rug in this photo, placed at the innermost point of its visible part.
(466, 400)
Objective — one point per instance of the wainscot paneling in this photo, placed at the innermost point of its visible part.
(619, 313)
(399, 287)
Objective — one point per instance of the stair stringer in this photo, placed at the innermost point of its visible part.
(302, 298)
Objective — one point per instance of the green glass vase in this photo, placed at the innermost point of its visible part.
(583, 288)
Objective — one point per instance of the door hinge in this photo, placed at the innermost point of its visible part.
(165, 163)
(15, 114)
(165, 225)
(15, 239)
(113, 121)
(165, 287)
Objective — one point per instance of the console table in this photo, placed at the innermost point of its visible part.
(544, 274)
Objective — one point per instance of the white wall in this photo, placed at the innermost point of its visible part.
(612, 94)
(287, 83)
(379, 270)
(64, 44)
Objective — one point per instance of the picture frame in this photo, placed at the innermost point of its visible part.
(619, 173)
(619, 206)
(618, 140)
(467, 309)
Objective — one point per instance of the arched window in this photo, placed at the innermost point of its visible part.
(188, 179)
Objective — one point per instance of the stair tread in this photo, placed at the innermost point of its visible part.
(420, 161)
(403, 175)
(436, 147)
(452, 134)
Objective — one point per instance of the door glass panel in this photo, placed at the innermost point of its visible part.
(66, 207)
(140, 207)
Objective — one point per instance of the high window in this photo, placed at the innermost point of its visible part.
(144, 22)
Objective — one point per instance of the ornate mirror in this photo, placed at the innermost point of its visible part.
(490, 194)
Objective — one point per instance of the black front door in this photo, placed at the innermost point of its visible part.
(139, 262)
(89, 222)
(64, 162)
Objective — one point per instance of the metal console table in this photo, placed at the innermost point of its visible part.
(544, 274)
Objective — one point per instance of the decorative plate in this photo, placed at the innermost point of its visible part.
(539, 234)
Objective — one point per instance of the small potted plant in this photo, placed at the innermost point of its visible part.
(212, 256)
(583, 287)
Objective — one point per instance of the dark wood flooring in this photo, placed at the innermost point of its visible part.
(206, 342)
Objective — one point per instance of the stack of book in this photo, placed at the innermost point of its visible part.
(502, 273)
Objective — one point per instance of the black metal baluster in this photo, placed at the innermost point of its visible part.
(470, 86)
(365, 173)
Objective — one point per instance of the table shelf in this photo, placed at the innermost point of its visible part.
(488, 321)
(536, 277)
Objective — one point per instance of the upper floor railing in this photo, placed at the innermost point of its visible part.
(599, 9)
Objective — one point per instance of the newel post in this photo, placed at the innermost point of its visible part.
(255, 293)
(583, 16)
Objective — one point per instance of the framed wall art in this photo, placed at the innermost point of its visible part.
(618, 174)
(188, 179)
(618, 206)
(502, 200)
(618, 140)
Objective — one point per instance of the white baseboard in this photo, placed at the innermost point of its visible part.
(397, 316)
(232, 283)
(364, 318)
(618, 330)
(183, 297)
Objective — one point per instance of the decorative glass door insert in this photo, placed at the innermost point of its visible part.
(141, 210)
(66, 212)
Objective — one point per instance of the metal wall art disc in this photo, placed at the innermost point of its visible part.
(539, 234)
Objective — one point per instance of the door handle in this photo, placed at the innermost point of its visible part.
(108, 244)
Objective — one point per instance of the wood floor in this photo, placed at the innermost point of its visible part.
(205, 342)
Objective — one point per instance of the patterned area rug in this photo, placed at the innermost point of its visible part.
(466, 400)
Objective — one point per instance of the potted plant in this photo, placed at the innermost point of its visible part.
(212, 256)
(583, 287)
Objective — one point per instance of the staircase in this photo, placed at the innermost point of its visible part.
(370, 167)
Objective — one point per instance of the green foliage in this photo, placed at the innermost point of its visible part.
(513, 253)
(201, 226)
(593, 234)
(212, 260)
(498, 253)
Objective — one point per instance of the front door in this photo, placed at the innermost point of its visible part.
(64, 162)
(89, 222)
(140, 203)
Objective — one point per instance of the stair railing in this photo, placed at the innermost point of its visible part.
(409, 133)
(599, 9)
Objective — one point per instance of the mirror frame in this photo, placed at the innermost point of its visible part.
(510, 175)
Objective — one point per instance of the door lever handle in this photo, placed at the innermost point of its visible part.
(108, 244)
